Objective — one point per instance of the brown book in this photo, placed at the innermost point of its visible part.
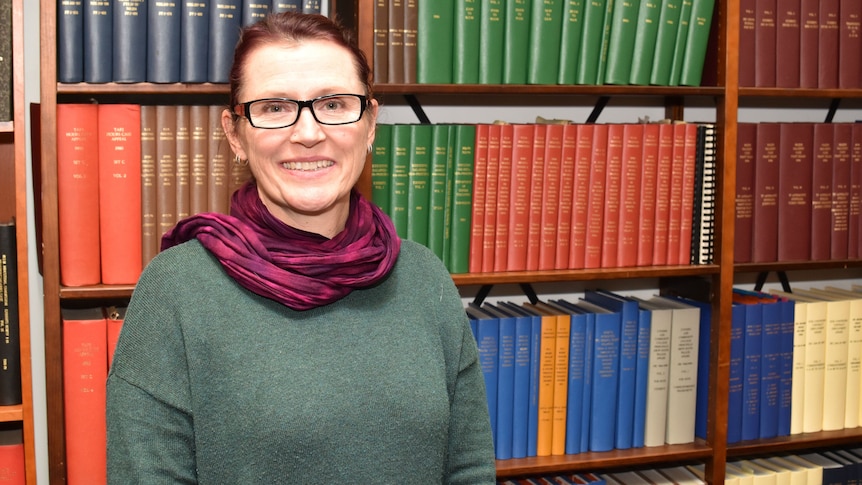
(78, 193)
(396, 41)
(747, 24)
(120, 192)
(746, 143)
(841, 148)
(581, 195)
(821, 193)
(480, 172)
(850, 45)
(854, 238)
(411, 29)
(504, 196)
(381, 41)
(664, 165)
(492, 175)
(630, 194)
(677, 178)
(649, 178)
(198, 149)
(519, 214)
(765, 218)
(149, 228)
(551, 195)
(827, 44)
(795, 157)
(809, 40)
(567, 196)
(534, 232)
(764, 43)
(183, 161)
(613, 182)
(166, 168)
(596, 207)
(787, 36)
(220, 156)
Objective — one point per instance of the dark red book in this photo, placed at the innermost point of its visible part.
(630, 195)
(764, 43)
(787, 36)
(765, 221)
(519, 215)
(534, 232)
(480, 171)
(841, 151)
(809, 39)
(689, 167)
(551, 195)
(828, 43)
(567, 196)
(854, 238)
(504, 198)
(492, 174)
(746, 141)
(664, 166)
(850, 45)
(596, 206)
(12, 465)
(795, 157)
(821, 193)
(747, 60)
(613, 180)
(649, 167)
(581, 199)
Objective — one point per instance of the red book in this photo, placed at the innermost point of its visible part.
(664, 165)
(850, 45)
(841, 150)
(85, 369)
(519, 215)
(747, 23)
(809, 35)
(689, 167)
(551, 195)
(821, 193)
(649, 179)
(613, 180)
(765, 219)
(12, 469)
(855, 222)
(581, 199)
(537, 180)
(746, 142)
(677, 178)
(567, 195)
(596, 206)
(480, 171)
(504, 199)
(492, 175)
(630, 195)
(787, 36)
(114, 323)
(764, 43)
(827, 44)
(795, 157)
(78, 193)
(120, 192)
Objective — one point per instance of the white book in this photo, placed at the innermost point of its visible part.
(782, 474)
(853, 403)
(681, 475)
(798, 473)
(655, 477)
(732, 470)
(658, 375)
(815, 471)
(759, 475)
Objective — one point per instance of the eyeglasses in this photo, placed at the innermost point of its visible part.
(332, 109)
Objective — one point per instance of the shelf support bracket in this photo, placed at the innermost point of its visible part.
(417, 109)
(484, 290)
(782, 278)
(597, 109)
(833, 107)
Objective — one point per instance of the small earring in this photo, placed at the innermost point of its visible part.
(239, 162)
(370, 148)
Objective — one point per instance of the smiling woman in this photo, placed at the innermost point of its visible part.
(298, 339)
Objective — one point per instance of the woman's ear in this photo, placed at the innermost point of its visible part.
(228, 124)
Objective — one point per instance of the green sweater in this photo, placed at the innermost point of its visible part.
(212, 384)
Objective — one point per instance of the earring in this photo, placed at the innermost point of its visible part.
(239, 162)
(370, 148)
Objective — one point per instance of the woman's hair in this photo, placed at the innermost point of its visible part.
(295, 27)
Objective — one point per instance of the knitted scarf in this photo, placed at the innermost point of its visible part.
(300, 269)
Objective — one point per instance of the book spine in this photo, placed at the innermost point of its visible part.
(570, 41)
(753, 338)
(381, 168)
(630, 195)
(855, 223)
(194, 42)
(747, 28)
(462, 191)
(567, 195)
(575, 390)
(677, 179)
(521, 386)
(543, 50)
(466, 42)
(12, 455)
(418, 179)
(411, 33)
(492, 176)
(809, 34)
(166, 168)
(770, 373)
(828, 44)
(70, 42)
(621, 42)
(219, 160)
(163, 42)
(788, 35)
(691, 71)
(581, 194)
(400, 177)
(519, 215)
(613, 182)
(150, 241)
(441, 159)
(184, 162)
(668, 25)
(253, 11)
(551, 195)
(821, 192)
(680, 43)
(765, 218)
(815, 367)
(664, 167)
(491, 30)
(735, 401)
(381, 38)
(505, 387)
(744, 201)
(689, 169)
(561, 384)
(849, 45)
(10, 344)
(605, 381)
(546, 385)
(682, 377)
(98, 54)
(225, 22)
(794, 189)
(129, 54)
(765, 48)
(591, 41)
(644, 42)
(534, 228)
(199, 153)
(480, 174)
(434, 42)
(279, 6)
(503, 208)
(648, 192)
(841, 145)
(595, 208)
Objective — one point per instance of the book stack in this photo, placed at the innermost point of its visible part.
(159, 42)
(601, 373)
(798, 192)
(835, 467)
(550, 196)
(800, 44)
(10, 344)
(541, 42)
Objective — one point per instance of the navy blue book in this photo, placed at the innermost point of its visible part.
(785, 388)
(751, 365)
(130, 42)
(505, 380)
(311, 6)
(487, 339)
(194, 46)
(98, 30)
(70, 42)
(163, 42)
(286, 6)
(629, 319)
(524, 364)
(225, 24)
(255, 11)
(734, 388)
(770, 368)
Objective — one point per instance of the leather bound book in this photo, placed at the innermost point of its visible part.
(821, 192)
(677, 182)
(668, 25)
(621, 42)
(534, 229)
(286, 6)
(220, 156)
(700, 24)
(630, 194)
(841, 150)
(827, 44)
(194, 42)
(381, 40)
(166, 168)
(766, 173)
(747, 59)
(519, 215)
(809, 35)
(480, 173)
(163, 42)
(664, 167)
(70, 42)
(765, 53)
(854, 231)
(183, 160)
(581, 196)
(689, 169)
(596, 206)
(570, 40)
(199, 153)
(543, 49)
(98, 54)
(502, 230)
(613, 182)
(646, 218)
(150, 241)
(434, 42)
(253, 11)
(395, 41)
(551, 195)
(491, 30)
(10, 345)
(591, 41)
(787, 36)
(466, 43)
(850, 45)
(746, 144)
(794, 190)
(130, 41)
(567, 195)
(492, 176)
(411, 32)
(644, 42)
(462, 190)
(225, 23)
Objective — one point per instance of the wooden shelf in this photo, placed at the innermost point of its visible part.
(797, 265)
(799, 93)
(582, 275)
(785, 444)
(11, 413)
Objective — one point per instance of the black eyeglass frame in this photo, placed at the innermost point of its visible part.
(309, 103)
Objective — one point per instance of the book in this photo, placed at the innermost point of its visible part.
(199, 155)
(166, 168)
(505, 380)
(183, 163)
(840, 220)
(648, 191)
(655, 424)
(595, 206)
(119, 167)
(78, 194)
(621, 42)
(397, 11)
(700, 24)
(491, 30)
(534, 228)
(543, 48)
(129, 31)
(98, 26)
(570, 40)
(465, 54)
(751, 364)
(486, 328)
(225, 22)
(438, 204)
(854, 228)
(502, 211)
(10, 344)
(519, 206)
(567, 196)
(418, 180)
(592, 31)
(85, 369)
(12, 455)
(220, 157)
(679, 45)
(194, 41)
(678, 177)
(434, 42)
(795, 160)
(381, 167)
(854, 352)
(580, 193)
(163, 41)
(462, 191)
(643, 48)
(524, 364)
(150, 241)
(480, 191)
(70, 42)
(664, 167)
(546, 384)
(381, 39)
(765, 49)
(491, 196)
(809, 34)
(607, 23)
(747, 59)
(765, 192)
(788, 35)
(828, 43)
(668, 26)
(736, 373)
(551, 196)
(612, 204)
(577, 379)
(286, 6)
(849, 45)
(744, 200)
(821, 192)
(562, 343)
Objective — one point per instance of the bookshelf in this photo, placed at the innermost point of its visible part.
(13, 204)
(724, 97)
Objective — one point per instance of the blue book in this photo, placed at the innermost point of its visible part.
(129, 54)
(575, 390)
(505, 380)
(533, 398)
(225, 24)
(584, 419)
(487, 340)
(734, 388)
(523, 371)
(641, 377)
(770, 367)
(785, 388)
(194, 44)
(98, 52)
(629, 320)
(163, 42)
(70, 42)
(751, 364)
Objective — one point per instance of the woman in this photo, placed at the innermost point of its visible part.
(297, 340)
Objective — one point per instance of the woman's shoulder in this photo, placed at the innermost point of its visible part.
(418, 254)
(188, 258)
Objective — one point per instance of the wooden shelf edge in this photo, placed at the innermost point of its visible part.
(796, 442)
(796, 265)
(550, 89)
(11, 413)
(465, 279)
(7, 126)
(96, 292)
(748, 92)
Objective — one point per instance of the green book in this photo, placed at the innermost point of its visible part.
(462, 197)
(381, 166)
(465, 54)
(441, 159)
(400, 155)
(419, 178)
(622, 41)
(680, 45)
(491, 33)
(699, 26)
(570, 43)
(591, 41)
(434, 42)
(668, 25)
(543, 52)
(644, 44)
(517, 25)
(606, 40)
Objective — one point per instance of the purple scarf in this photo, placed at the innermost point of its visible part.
(300, 269)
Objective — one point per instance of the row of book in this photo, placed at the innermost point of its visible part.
(551, 195)
(89, 339)
(541, 41)
(800, 43)
(159, 42)
(126, 174)
(10, 344)
(798, 192)
(601, 373)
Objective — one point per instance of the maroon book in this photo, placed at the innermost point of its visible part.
(841, 146)
(794, 188)
(764, 43)
(855, 222)
(746, 140)
(821, 193)
(809, 35)
(787, 36)
(827, 44)
(764, 247)
(850, 45)
(746, 37)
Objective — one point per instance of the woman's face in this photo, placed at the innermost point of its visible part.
(304, 172)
